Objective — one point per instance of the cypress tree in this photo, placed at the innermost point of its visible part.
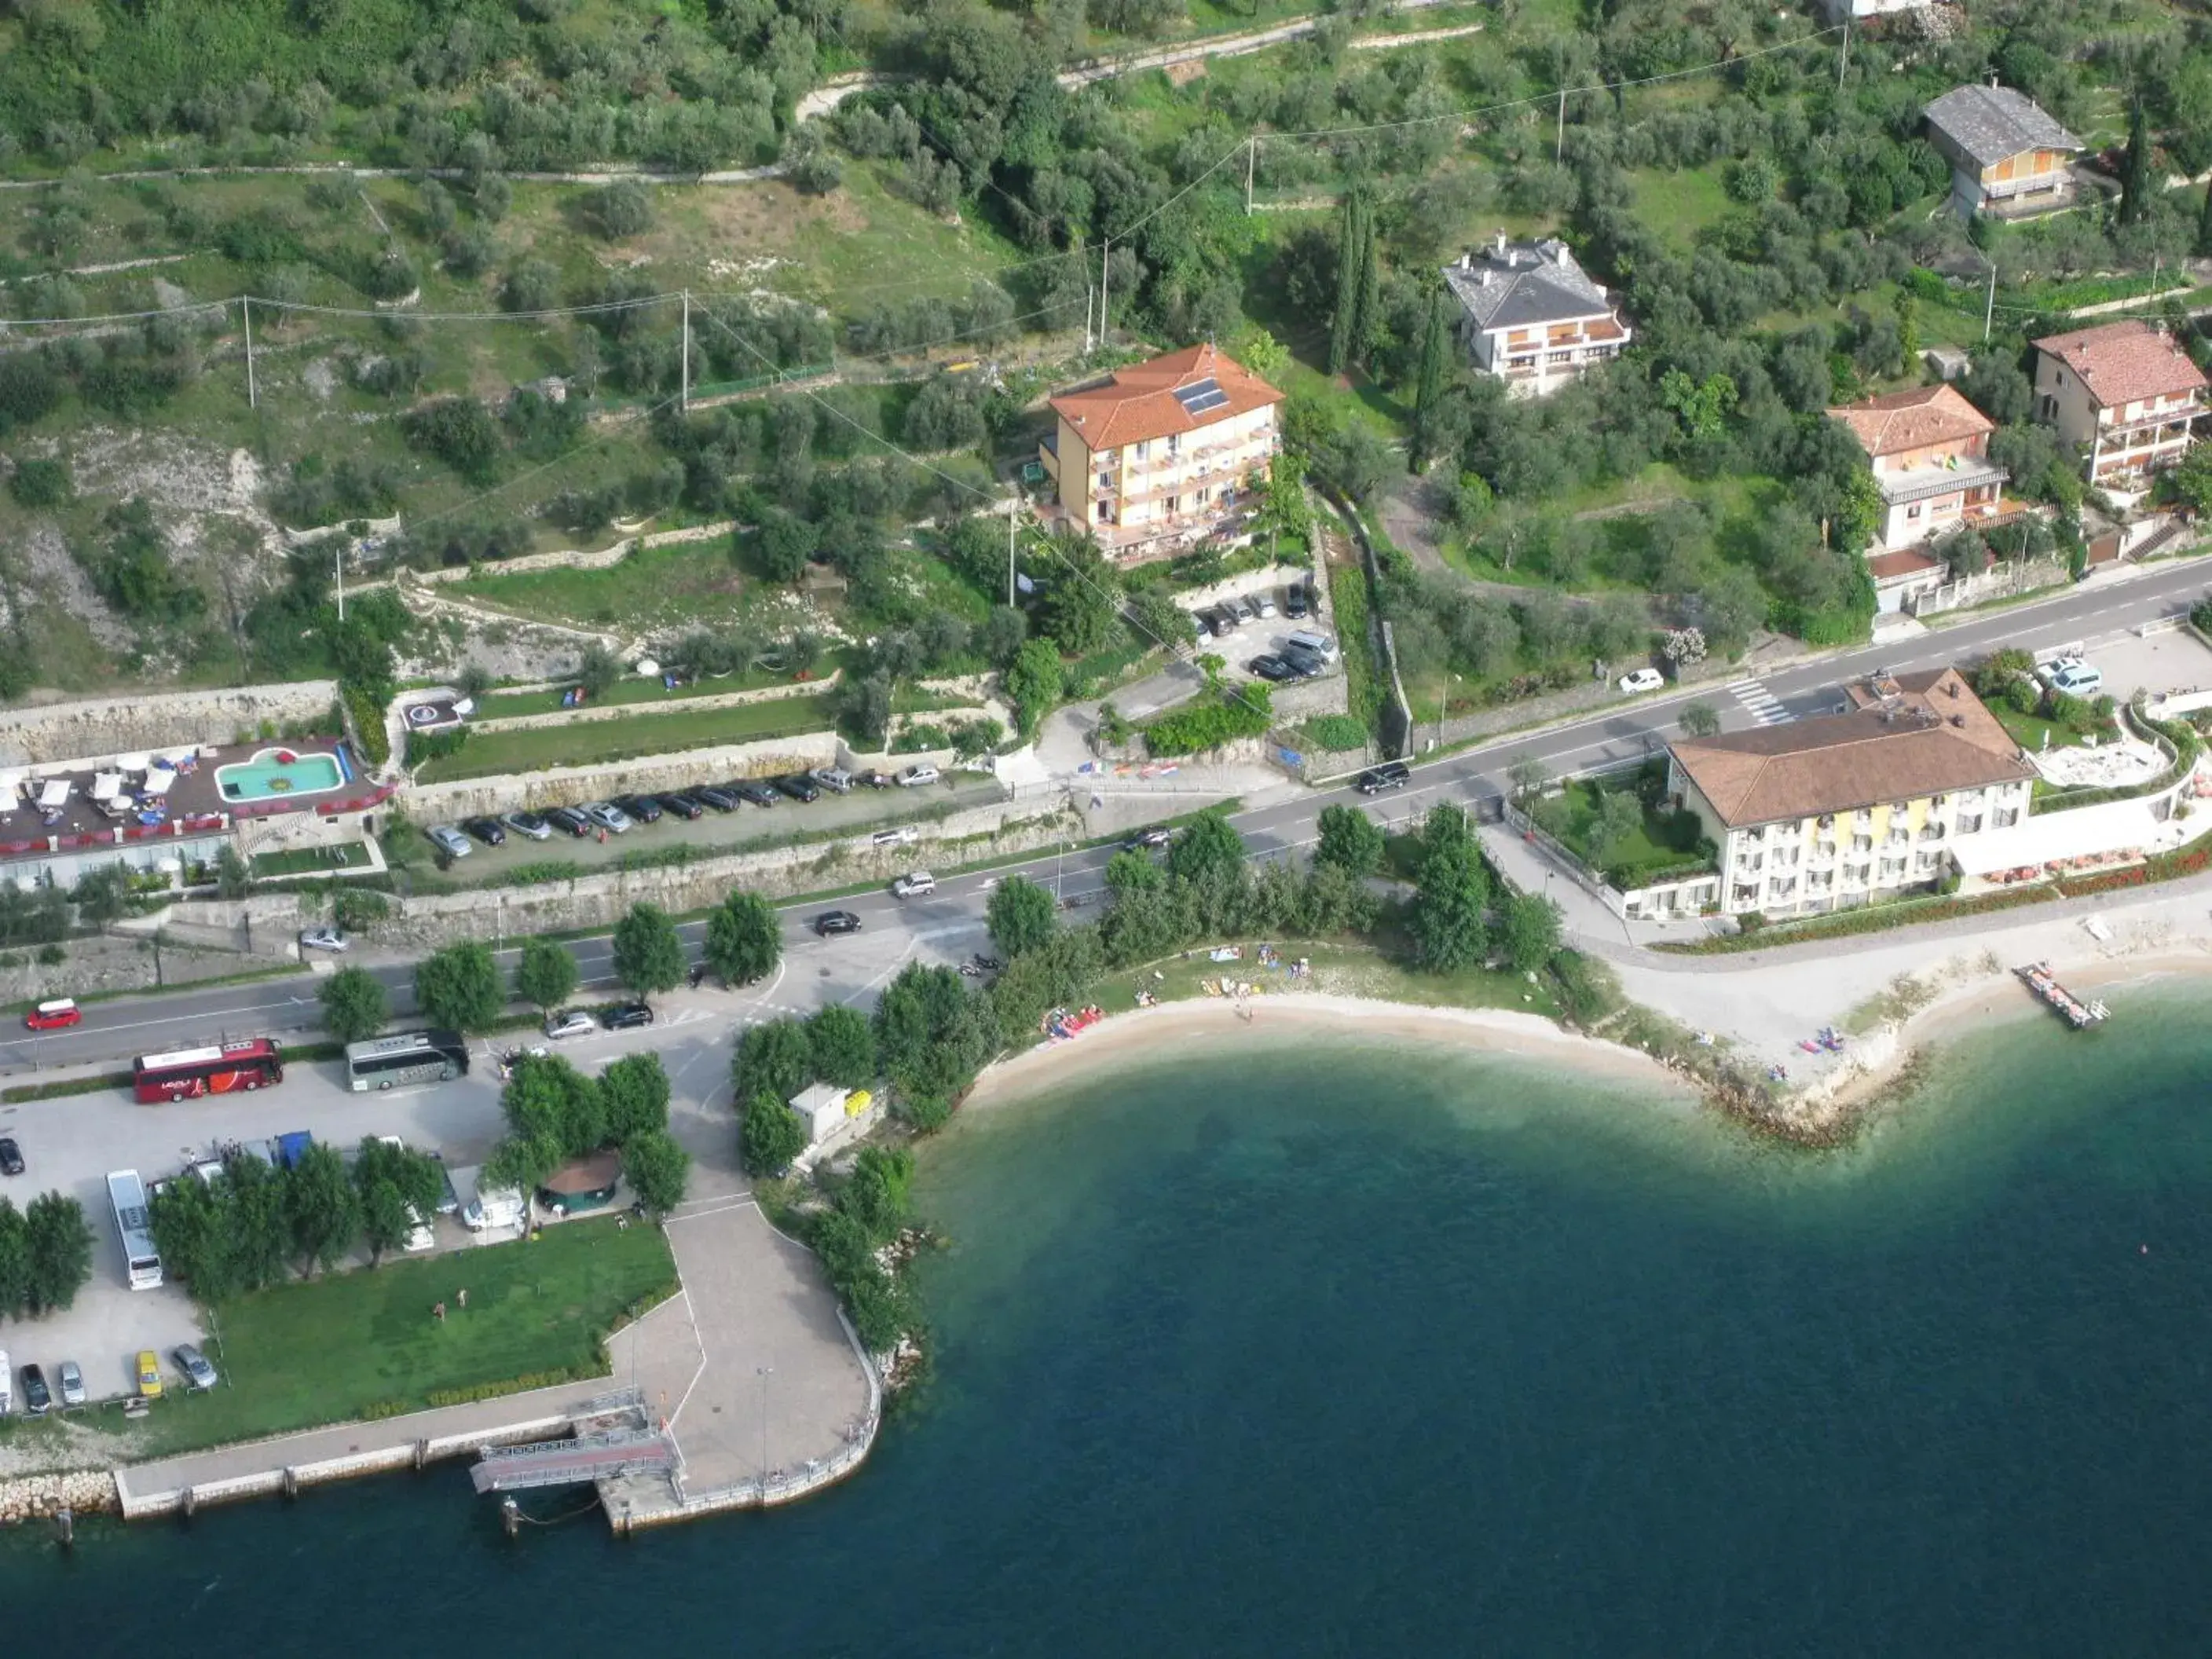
(1368, 330)
(1352, 245)
(2135, 166)
(1435, 373)
(2204, 225)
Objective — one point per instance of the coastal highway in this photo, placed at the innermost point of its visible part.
(948, 925)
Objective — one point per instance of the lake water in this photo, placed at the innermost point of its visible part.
(1352, 1349)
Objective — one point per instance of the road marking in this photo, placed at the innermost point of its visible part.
(1761, 704)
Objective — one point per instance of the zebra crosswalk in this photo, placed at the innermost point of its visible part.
(1761, 704)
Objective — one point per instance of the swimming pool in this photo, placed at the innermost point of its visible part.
(280, 774)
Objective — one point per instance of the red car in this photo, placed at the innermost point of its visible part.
(52, 1016)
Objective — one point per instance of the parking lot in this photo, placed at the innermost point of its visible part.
(1255, 636)
(2175, 660)
(71, 1143)
(861, 810)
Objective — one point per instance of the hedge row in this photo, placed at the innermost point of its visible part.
(1870, 919)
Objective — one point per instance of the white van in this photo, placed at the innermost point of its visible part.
(487, 1209)
(2076, 678)
(1307, 639)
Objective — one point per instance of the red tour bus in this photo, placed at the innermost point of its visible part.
(217, 1070)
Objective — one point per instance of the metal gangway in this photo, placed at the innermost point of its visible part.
(586, 1458)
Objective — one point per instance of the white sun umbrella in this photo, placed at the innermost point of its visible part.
(131, 763)
(158, 781)
(650, 669)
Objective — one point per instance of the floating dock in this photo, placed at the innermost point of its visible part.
(2081, 1015)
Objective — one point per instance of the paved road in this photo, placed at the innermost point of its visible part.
(950, 922)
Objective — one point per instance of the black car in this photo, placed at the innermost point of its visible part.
(35, 1397)
(799, 786)
(683, 806)
(1308, 663)
(1221, 620)
(1295, 601)
(490, 831)
(625, 1016)
(722, 800)
(876, 780)
(1377, 779)
(11, 1158)
(568, 819)
(836, 922)
(1157, 834)
(1272, 668)
(644, 808)
(758, 793)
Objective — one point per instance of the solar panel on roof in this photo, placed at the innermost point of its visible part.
(1201, 396)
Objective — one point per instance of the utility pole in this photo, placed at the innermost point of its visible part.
(337, 562)
(683, 396)
(1013, 507)
(1989, 311)
(1251, 156)
(1105, 273)
(252, 396)
(1089, 300)
(1844, 59)
(1559, 143)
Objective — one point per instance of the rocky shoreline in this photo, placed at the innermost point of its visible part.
(42, 1497)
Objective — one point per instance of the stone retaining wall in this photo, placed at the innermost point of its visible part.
(93, 729)
(438, 803)
(596, 558)
(599, 900)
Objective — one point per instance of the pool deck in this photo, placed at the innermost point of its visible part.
(194, 801)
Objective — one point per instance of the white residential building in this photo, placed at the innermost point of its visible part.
(1532, 315)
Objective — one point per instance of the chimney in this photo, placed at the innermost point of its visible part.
(1467, 261)
(1501, 242)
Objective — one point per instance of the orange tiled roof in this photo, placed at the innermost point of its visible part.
(1912, 419)
(2121, 362)
(1139, 402)
(1903, 562)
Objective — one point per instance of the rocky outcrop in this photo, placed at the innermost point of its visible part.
(92, 729)
(40, 1497)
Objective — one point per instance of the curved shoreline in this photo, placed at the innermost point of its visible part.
(1495, 1031)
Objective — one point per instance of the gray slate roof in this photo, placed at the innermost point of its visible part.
(1528, 284)
(1990, 123)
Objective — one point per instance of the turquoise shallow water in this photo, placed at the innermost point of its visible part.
(1348, 1349)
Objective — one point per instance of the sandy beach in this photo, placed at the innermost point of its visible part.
(1291, 1013)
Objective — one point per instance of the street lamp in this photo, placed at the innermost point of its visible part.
(763, 1372)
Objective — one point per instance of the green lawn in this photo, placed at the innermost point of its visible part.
(311, 860)
(362, 1343)
(1663, 842)
(1679, 204)
(2032, 731)
(631, 688)
(590, 743)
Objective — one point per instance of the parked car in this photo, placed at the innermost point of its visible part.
(626, 1016)
(683, 806)
(1222, 620)
(1307, 639)
(449, 841)
(419, 1235)
(490, 831)
(11, 1157)
(917, 884)
(721, 799)
(1157, 834)
(7, 1385)
(36, 1396)
(324, 938)
(149, 1374)
(1642, 679)
(568, 819)
(1272, 668)
(836, 921)
(1201, 631)
(194, 1364)
(1264, 603)
(1296, 603)
(758, 793)
(833, 778)
(917, 774)
(57, 1012)
(1304, 660)
(2075, 678)
(800, 787)
(1241, 608)
(1393, 774)
(72, 1384)
(529, 824)
(639, 809)
(608, 816)
(569, 1022)
(899, 835)
(878, 780)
